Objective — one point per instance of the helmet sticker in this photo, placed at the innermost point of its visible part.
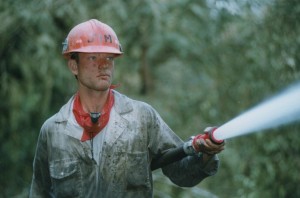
(91, 38)
(107, 38)
(65, 45)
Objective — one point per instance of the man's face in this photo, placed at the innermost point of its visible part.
(95, 71)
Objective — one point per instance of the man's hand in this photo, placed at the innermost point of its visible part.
(202, 143)
(208, 147)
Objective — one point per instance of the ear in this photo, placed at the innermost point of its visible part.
(72, 64)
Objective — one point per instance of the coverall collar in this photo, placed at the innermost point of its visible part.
(122, 106)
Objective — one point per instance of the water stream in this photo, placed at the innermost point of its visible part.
(281, 109)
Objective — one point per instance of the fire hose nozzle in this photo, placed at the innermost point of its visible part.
(188, 148)
(209, 133)
(191, 147)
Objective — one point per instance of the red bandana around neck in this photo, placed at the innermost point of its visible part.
(84, 119)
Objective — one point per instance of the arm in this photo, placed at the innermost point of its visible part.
(191, 170)
(186, 172)
(175, 154)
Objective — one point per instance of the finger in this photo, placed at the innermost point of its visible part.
(202, 143)
(207, 146)
(214, 147)
(212, 144)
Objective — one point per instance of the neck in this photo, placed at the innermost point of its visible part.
(93, 101)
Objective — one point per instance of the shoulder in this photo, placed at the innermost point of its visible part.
(60, 117)
(49, 124)
(134, 109)
(124, 104)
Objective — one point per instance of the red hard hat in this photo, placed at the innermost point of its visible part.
(92, 36)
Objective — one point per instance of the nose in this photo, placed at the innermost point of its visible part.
(105, 62)
(102, 64)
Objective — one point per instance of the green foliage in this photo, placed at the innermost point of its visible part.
(199, 63)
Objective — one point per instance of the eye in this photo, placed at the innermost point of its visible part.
(110, 59)
(92, 58)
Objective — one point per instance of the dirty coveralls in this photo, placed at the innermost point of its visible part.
(123, 151)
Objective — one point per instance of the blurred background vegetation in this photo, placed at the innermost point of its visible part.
(199, 63)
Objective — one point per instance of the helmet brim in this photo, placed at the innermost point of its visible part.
(94, 49)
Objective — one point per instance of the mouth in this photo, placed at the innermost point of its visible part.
(104, 76)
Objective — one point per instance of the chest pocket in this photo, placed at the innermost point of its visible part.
(137, 172)
(65, 175)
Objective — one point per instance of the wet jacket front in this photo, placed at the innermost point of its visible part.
(119, 165)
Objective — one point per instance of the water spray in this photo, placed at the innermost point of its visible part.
(284, 108)
(281, 109)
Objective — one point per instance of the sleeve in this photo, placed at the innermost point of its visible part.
(191, 170)
(187, 172)
(41, 182)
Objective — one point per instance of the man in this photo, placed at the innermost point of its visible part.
(101, 143)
